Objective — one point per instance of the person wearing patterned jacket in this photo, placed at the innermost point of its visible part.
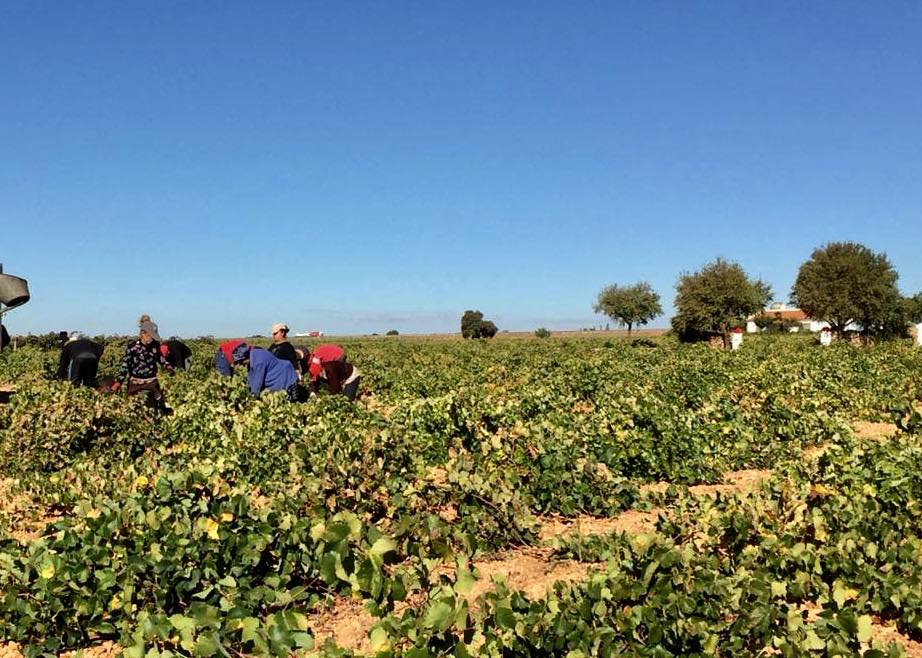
(142, 358)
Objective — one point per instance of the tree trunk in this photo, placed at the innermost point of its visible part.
(628, 329)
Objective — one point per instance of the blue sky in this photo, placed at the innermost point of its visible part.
(357, 167)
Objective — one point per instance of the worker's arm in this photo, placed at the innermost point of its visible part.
(63, 363)
(123, 371)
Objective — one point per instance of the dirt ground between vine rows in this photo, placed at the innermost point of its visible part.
(532, 570)
(16, 507)
(867, 430)
(528, 569)
(103, 650)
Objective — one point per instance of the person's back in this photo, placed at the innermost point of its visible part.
(79, 361)
(329, 368)
(286, 352)
(269, 373)
(4, 337)
(177, 354)
(322, 354)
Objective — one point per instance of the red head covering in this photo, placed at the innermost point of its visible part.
(227, 348)
(324, 354)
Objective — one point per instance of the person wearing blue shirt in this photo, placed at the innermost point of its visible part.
(266, 372)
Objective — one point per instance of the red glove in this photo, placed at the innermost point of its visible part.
(116, 386)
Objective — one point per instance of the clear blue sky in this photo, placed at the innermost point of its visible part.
(362, 166)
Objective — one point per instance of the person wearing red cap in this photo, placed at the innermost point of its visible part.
(224, 357)
(327, 367)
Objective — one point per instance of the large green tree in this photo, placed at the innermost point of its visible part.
(715, 299)
(474, 326)
(844, 283)
(629, 305)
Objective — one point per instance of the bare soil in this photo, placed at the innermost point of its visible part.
(734, 482)
(103, 650)
(630, 521)
(25, 523)
(867, 430)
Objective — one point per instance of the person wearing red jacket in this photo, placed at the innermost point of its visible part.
(327, 367)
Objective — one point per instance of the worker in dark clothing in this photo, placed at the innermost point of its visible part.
(281, 348)
(4, 337)
(142, 358)
(329, 369)
(176, 353)
(304, 358)
(79, 360)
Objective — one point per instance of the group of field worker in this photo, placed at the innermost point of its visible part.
(282, 367)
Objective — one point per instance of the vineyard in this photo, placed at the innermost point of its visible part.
(560, 497)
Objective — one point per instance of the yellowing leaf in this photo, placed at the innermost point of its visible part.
(464, 582)
(813, 641)
(46, 570)
(379, 639)
(382, 546)
(864, 628)
(211, 528)
(227, 517)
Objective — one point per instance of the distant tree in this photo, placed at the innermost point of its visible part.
(470, 324)
(715, 299)
(392, 332)
(844, 283)
(487, 329)
(629, 305)
(474, 326)
(541, 332)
